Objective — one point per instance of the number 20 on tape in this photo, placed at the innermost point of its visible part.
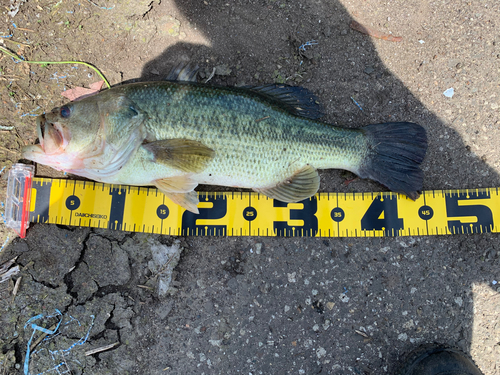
(144, 209)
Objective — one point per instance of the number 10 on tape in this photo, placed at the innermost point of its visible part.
(145, 209)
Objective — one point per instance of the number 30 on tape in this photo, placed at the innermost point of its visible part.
(144, 209)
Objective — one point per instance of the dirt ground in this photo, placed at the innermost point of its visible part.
(264, 305)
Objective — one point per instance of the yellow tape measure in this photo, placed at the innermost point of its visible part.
(145, 209)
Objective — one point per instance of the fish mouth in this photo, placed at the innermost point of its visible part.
(51, 150)
(50, 135)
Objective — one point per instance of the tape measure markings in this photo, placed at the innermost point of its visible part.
(144, 209)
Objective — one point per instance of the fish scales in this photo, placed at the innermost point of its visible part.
(256, 142)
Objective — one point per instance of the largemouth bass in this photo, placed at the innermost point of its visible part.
(176, 135)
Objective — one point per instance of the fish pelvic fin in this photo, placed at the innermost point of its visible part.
(189, 200)
(395, 152)
(182, 154)
(177, 184)
(180, 190)
(303, 184)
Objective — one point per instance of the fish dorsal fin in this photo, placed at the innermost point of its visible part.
(184, 72)
(182, 154)
(295, 99)
(303, 184)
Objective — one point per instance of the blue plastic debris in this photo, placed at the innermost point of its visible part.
(355, 102)
(5, 242)
(41, 329)
(31, 114)
(18, 61)
(449, 92)
(57, 355)
(310, 43)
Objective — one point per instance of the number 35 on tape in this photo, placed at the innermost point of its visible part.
(144, 209)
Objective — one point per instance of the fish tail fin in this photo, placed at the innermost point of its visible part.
(395, 152)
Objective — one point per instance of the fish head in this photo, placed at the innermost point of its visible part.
(92, 137)
(64, 134)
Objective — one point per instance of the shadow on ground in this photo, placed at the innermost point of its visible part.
(269, 305)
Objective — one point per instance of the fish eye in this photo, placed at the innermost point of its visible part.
(65, 111)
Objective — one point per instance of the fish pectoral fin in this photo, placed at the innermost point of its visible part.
(303, 184)
(182, 154)
(189, 200)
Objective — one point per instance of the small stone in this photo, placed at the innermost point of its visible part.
(258, 248)
(403, 337)
(321, 352)
(222, 70)
(409, 324)
(329, 305)
(215, 342)
(291, 277)
(369, 70)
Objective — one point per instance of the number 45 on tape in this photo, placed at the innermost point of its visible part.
(145, 209)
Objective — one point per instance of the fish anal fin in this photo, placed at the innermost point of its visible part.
(182, 154)
(303, 184)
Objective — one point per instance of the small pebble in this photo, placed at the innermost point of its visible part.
(258, 248)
